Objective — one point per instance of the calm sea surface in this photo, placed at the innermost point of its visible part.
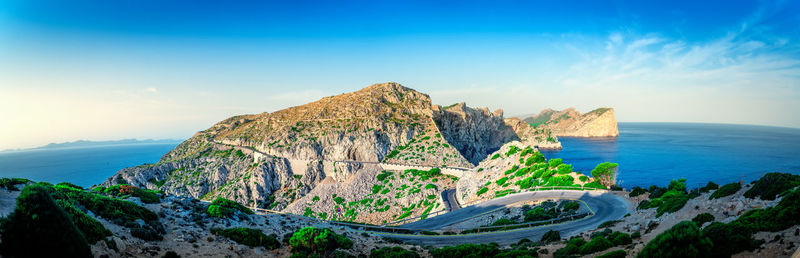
(648, 153)
(82, 166)
(654, 153)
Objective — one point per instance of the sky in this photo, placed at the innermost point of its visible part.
(104, 70)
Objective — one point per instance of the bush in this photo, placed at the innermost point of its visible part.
(223, 208)
(91, 229)
(619, 238)
(614, 254)
(538, 213)
(503, 221)
(636, 235)
(482, 191)
(702, 218)
(392, 252)
(11, 183)
(772, 184)
(551, 236)
(70, 185)
(146, 234)
(309, 240)
(710, 186)
(248, 236)
(670, 202)
(725, 190)
(645, 204)
(682, 240)
(570, 206)
(637, 191)
(115, 210)
(38, 227)
(482, 250)
(656, 191)
(597, 244)
(553, 163)
(171, 254)
(729, 239)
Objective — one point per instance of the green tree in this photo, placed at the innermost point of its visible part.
(605, 173)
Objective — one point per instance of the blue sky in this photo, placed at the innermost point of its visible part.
(165, 69)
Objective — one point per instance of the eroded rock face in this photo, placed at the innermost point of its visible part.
(331, 146)
(474, 132)
(600, 122)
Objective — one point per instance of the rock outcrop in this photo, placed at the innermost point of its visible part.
(571, 123)
(323, 158)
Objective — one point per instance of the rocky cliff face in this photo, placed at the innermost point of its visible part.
(571, 123)
(302, 158)
(463, 127)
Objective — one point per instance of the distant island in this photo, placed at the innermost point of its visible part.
(600, 122)
(87, 143)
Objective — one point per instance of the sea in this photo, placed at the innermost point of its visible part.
(83, 166)
(647, 154)
(655, 153)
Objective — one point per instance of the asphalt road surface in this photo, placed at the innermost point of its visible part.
(605, 206)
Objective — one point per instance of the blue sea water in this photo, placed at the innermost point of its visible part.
(648, 153)
(655, 153)
(84, 166)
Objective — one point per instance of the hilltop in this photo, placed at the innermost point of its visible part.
(600, 122)
(323, 158)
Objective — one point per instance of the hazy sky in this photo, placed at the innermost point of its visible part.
(103, 70)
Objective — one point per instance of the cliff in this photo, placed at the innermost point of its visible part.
(326, 158)
(600, 122)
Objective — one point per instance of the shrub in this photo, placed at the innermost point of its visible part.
(594, 184)
(538, 213)
(392, 252)
(495, 156)
(583, 178)
(597, 244)
(564, 169)
(501, 181)
(383, 175)
(636, 235)
(171, 254)
(656, 191)
(466, 250)
(222, 208)
(551, 236)
(553, 163)
(772, 184)
(482, 191)
(503, 221)
(11, 183)
(118, 211)
(726, 190)
(729, 238)
(682, 240)
(702, 218)
(637, 191)
(645, 204)
(70, 185)
(619, 238)
(248, 236)
(309, 240)
(91, 229)
(671, 201)
(146, 234)
(570, 206)
(614, 254)
(38, 227)
(710, 186)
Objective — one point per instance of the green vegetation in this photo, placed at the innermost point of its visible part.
(513, 149)
(392, 252)
(482, 191)
(551, 236)
(495, 156)
(702, 218)
(672, 200)
(682, 240)
(614, 254)
(118, 211)
(315, 241)
(10, 183)
(726, 190)
(773, 184)
(38, 227)
(482, 250)
(224, 208)
(710, 186)
(383, 175)
(620, 238)
(597, 244)
(605, 173)
(637, 191)
(248, 236)
(92, 229)
(124, 190)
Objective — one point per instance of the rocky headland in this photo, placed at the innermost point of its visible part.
(600, 122)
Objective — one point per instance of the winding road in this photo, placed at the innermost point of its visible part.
(605, 206)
